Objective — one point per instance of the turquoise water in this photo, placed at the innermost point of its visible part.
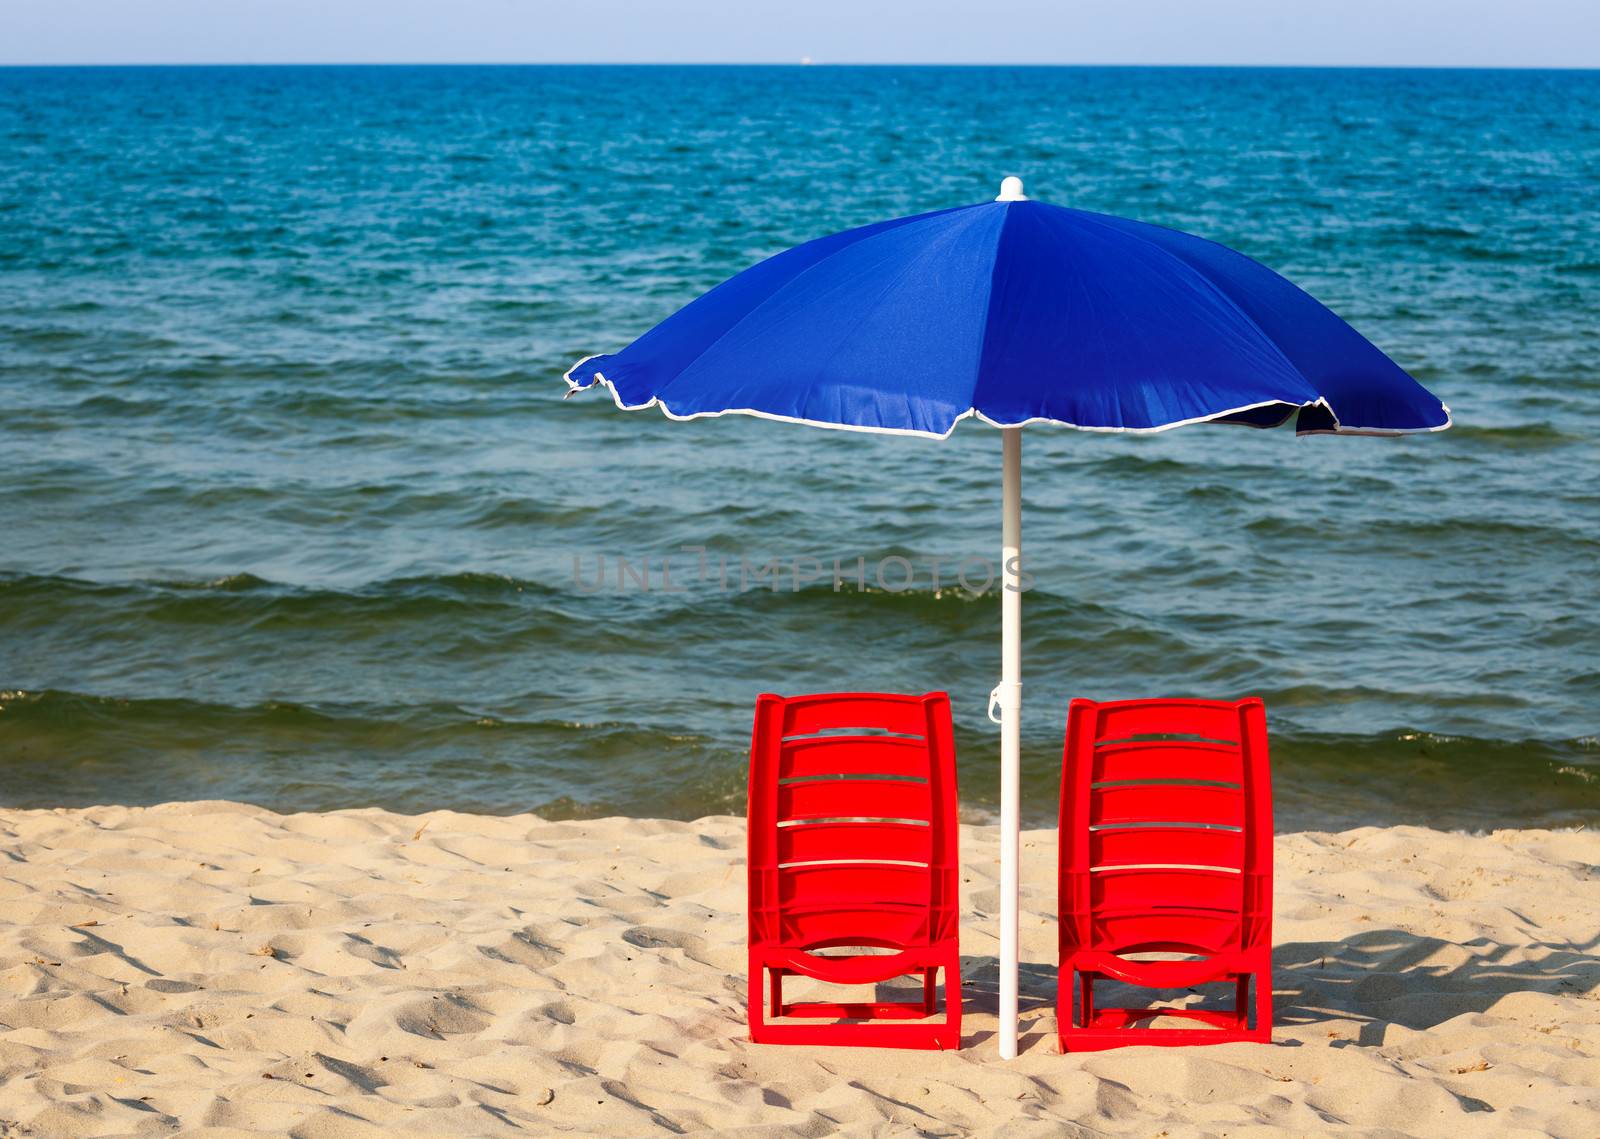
(292, 500)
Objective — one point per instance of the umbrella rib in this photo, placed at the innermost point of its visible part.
(988, 312)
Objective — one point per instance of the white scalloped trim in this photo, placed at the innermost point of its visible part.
(574, 387)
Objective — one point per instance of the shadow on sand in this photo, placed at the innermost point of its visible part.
(1377, 978)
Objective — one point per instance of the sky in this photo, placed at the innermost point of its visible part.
(1447, 33)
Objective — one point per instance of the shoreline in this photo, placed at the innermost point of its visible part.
(220, 967)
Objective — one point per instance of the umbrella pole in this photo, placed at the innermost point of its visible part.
(1009, 697)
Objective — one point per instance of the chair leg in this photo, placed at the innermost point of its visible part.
(756, 999)
(951, 1037)
(1086, 989)
(1241, 1007)
(777, 992)
(930, 991)
(1264, 1005)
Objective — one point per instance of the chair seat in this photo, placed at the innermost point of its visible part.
(1161, 974)
(859, 969)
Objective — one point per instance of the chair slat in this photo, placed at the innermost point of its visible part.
(818, 842)
(1155, 890)
(1168, 759)
(854, 799)
(904, 756)
(1167, 803)
(1189, 846)
(1204, 718)
(853, 885)
(890, 928)
(803, 715)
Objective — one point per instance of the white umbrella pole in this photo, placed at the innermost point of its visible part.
(1009, 697)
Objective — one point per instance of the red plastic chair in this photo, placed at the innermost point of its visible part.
(853, 843)
(1166, 846)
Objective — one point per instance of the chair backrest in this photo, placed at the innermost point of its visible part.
(852, 820)
(1166, 827)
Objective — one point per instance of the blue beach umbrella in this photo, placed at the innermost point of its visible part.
(1015, 312)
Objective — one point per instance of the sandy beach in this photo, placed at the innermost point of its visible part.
(223, 970)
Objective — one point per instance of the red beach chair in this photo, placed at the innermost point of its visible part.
(1165, 847)
(853, 843)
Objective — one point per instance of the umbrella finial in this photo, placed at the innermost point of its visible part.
(1011, 190)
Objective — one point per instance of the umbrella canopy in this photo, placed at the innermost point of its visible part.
(1016, 312)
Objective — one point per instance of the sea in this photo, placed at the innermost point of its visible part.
(294, 511)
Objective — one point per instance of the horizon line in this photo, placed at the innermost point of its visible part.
(1576, 67)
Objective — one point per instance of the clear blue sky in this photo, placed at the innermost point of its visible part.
(1464, 33)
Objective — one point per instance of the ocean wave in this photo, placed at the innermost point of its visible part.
(1530, 436)
(246, 599)
(62, 747)
(87, 712)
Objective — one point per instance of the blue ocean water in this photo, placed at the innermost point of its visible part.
(293, 504)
